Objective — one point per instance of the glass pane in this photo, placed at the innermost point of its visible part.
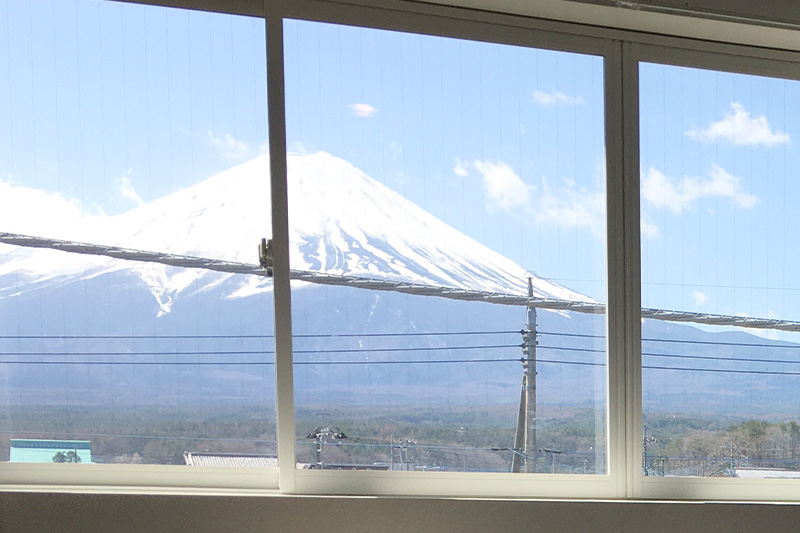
(144, 128)
(430, 179)
(718, 242)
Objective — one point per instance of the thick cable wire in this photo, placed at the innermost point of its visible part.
(417, 289)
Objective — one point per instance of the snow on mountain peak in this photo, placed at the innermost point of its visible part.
(341, 221)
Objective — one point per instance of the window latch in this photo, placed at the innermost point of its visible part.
(265, 255)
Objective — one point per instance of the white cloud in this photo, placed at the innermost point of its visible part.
(649, 229)
(568, 206)
(127, 190)
(555, 97)
(699, 297)
(662, 191)
(36, 212)
(363, 110)
(226, 145)
(504, 189)
(665, 192)
(459, 168)
(740, 128)
(572, 207)
(724, 184)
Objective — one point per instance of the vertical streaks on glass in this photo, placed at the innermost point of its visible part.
(448, 166)
(144, 128)
(717, 199)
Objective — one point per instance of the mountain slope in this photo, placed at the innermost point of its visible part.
(341, 221)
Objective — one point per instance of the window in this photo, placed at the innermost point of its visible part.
(512, 257)
(427, 164)
(141, 128)
(721, 207)
(718, 380)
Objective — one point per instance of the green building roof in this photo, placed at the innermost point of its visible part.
(44, 451)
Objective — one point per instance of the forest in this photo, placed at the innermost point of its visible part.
(567, 441)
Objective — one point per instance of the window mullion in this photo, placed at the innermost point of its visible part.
(280, 240)
(632, 270)
(617, 273)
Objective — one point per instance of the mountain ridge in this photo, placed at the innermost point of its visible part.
(341, 222)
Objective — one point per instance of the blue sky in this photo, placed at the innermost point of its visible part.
(719, 185)
(98, 98)
(504, 143)
(112, 105)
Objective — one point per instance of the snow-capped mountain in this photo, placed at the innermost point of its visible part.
(341, 221)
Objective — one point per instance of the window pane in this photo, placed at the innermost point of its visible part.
(425, 175)
(718, 221)
(143, 128)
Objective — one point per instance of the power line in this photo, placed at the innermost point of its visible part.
(580, 335)
(296, 335)
(392, 362)
(213, 352)
(792, 346)
(727, 343)
(268, 352)
(709, 370)
(680, 341)
(414, 334)
(578, 363)
(416, 349)
(266, 441)
(681, 356)
(263, 363)
(418, 446)
(725, 371)
(715, 358)
(118, 337)
(392, 350)
(570, 349)
(379, 335)
(142, 363)
(412, 362)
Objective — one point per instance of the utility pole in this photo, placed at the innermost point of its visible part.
(646, 469)
(319, 435)
(520, 433)
(525, 436)
(319, 439)
(733, 464)
(530, 388)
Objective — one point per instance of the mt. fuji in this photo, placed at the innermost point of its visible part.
(341, 222)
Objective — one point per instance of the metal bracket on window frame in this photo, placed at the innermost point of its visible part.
(265, 255)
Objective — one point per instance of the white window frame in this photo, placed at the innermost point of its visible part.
(622, 48)
(723, 58)
(503, 30)
(131, 478)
